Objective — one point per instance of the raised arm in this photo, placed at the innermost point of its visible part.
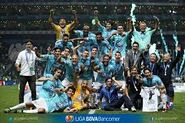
(74, 23)
(50, 19)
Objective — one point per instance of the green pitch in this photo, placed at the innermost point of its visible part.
(9, 97)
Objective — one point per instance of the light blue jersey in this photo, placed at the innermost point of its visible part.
(58, 102)
(62, 45)
(72, 70)
(47, 89)
(118, 69)
(87, 71)
(105, 33)
(106, 72)
(155, 80)
(103, 47)
(51, 62)
(80, 34)
(119, 43)
(89, 43)
(142, 38)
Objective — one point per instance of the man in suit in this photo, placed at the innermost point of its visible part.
(134, 57)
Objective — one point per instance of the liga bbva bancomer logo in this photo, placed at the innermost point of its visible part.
(69, 118)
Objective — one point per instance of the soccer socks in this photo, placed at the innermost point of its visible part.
(30, 111)
(19, 106)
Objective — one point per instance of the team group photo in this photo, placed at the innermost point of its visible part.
(105, 57)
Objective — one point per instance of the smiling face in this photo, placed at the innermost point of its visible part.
(57, 53)
(166, 57)
(118, 56)
(142, 26)
(62, 23)
(108, 26)
(134, 71)
(120, 29)
(153, 58)
(29, 46)
(65, 38)
(135, 46)
(109, 83)
(85, 54)
(74, 59)
(66, 52)
(106, 60)
(148, 74)
(84, 85)
(57, 74)
(70, 92)
(94, 51)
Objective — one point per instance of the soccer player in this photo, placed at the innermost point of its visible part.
(155, 85)
(107, 30)
(85, 32)
(86, 68)
(64, 42)
(102, 44)
(119, 68)
(51, 61)
(119, 40)
(52, 85)
(62, 27)
(143, 37)
(106, 70)
(83, 96)
(61, 101)
(72, 70)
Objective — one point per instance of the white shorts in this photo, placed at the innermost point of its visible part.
(40, 103)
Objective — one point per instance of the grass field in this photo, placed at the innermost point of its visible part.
(9, 97)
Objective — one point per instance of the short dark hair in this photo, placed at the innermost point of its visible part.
(94, 46)
(135, 42)
(55, 69)
(86, 50)
(55, 48)
(72, 88)
(106, 55)
(28, 40)
(108, 79)
(98, 33)
(147, 69)
(65, 35)
(118, 52)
